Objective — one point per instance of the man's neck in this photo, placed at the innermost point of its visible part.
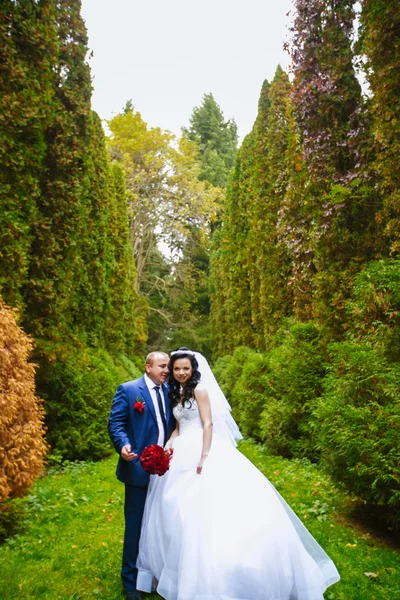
(150, 382)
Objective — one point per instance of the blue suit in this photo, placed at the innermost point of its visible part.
(129, 426)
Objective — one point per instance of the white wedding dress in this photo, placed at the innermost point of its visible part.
(225, 534)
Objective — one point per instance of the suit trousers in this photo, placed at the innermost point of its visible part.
(135, 498)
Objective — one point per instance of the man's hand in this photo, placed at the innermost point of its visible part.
(127, 454)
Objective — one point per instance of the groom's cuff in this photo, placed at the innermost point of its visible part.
(122, 444)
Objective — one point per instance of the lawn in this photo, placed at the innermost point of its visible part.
(71, 542)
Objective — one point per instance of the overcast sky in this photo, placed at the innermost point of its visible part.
(165, 54)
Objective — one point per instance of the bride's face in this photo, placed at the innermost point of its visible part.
(182, 370)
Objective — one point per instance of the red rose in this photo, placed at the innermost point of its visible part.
(155, 460)
(139, 406)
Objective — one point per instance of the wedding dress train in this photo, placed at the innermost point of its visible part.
(226, 534)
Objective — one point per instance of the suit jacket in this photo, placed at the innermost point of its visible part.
(128, 426)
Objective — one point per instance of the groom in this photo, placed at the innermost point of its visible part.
(140, 416)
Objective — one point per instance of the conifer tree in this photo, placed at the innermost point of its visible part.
(64, 223)
(27, 55)
(94, 245)
(250, 264)
(125, 325)
(380, 43)
(336, 209)
(217, 139)
(235, 251)
(55, 267)
(269, 260)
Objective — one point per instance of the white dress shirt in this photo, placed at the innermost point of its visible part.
(151, 387)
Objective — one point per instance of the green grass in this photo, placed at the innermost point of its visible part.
(71, 543)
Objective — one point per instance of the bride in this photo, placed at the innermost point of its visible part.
(214, 528)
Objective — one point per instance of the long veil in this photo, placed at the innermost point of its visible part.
(223, 422)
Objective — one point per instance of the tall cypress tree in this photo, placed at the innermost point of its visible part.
(27, 55)
(269, 261)
(66, 252)
(95, 253)
(339, 227)
(236, 230)
(55, 267)
(250, 264)
(125, 326)
(380, 43)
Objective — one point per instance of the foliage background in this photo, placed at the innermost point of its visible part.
(304, 277)
(282, 256)
(65, 254)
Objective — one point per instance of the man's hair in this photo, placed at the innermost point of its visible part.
(150, 358)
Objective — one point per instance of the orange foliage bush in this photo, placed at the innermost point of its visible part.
(22, 443)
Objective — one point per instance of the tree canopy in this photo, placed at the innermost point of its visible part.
(217, 140)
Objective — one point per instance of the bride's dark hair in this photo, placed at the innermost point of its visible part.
(175, 386)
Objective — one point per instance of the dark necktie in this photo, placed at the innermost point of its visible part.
(162, 413)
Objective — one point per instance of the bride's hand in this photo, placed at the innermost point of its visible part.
(201, 465)
(169, 445)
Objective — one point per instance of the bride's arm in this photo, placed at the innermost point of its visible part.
(173, 435)
(203, 402)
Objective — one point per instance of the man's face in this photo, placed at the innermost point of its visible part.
(158, 370)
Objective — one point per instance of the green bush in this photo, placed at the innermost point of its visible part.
(375, 306)
(228, 369)
(197, 338)
(358, 422)
(78, 386)
(12, 518)
(270, 393)
(248, 394)
(296, 371)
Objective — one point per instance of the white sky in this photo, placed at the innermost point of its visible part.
(165, 54)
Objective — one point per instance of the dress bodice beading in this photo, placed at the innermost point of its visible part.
(188, 417)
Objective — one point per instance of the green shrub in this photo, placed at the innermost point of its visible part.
(375, 306)
(358, 422)
(248, 395)
(228, 369)
(12, 518)
(270, 393)
(296, 371)
(78, 386)
(197, 338)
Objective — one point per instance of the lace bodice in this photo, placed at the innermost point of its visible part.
(188, 417)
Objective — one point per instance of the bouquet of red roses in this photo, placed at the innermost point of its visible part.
(155, 460)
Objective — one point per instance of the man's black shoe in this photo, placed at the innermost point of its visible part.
(133, 595)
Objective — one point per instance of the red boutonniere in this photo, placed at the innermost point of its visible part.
(139, 405)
